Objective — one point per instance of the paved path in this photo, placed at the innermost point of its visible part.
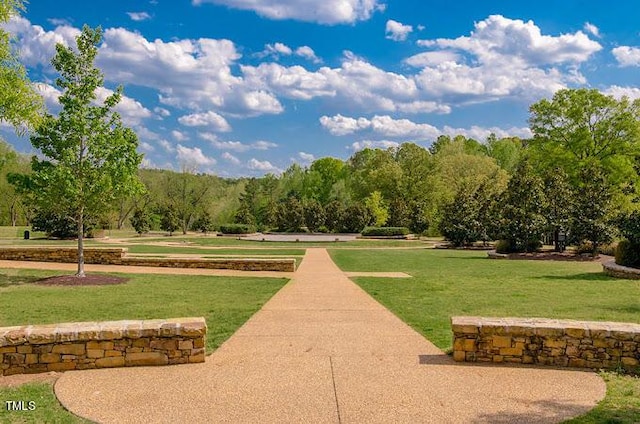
(323, 351)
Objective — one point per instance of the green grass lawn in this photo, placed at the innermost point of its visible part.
(450, 282)
(225, 302)
(141, 248)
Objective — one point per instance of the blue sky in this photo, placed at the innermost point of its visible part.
(246, 87)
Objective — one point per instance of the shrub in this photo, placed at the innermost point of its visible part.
(504, 246)
(141, 221)
(237, 229)
(628, 254)
(355, 218)
(385, 231)
(584, 247)
(608, 249)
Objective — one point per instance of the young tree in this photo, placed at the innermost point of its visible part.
(593, 209)
(169, 221)
(141, 221)
(378, 208)
(88, 156)
(204, 223)
(459, 223)
(520, 208)
(314, 216)
(20, 104)
(291, 215)
(560, 203)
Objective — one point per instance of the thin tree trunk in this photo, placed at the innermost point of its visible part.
(80, 246)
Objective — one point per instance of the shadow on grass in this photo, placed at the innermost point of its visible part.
(12, 280)
(546, 411)
(586, 276)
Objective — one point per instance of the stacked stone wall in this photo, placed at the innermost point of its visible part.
(119, 257)
(88, 345)
(564, 343)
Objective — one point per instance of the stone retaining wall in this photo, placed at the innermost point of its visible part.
(86, 345)
(565, 343)
(119, 257)
(619, 271)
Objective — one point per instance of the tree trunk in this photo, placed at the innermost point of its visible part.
(80, 246)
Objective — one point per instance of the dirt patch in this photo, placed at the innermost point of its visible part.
(550, 256)
(88, 280)
(20, 379)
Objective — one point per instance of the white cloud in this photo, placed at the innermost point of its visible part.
(179, 136)
(502, 39)
(144, 146)
(230, 158)
(372, 144)
(307, 157)
(422, 60)
(193, 156)
(139, 16)
(161, 112)
(210, 119)
(407, 130)
(329, 12)
(276, 50)
(618, 92)
(592, 29)
(307, 53)
(168, 147)
(396, 31)
(264, 166)
(59, 21)
(627, 56)
(343, 125)
(131, 110)
(263, 145)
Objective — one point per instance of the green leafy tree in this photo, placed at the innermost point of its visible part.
(560, 203)
(141, 221)
(88, 156)
(169, 221)
(399, 213)
(187, 193)
(578, 127)
(204, 224)
(592, 218)
(378, 208)
(20, 104)
(520, 208)
(291, 215)
(459, 223)
(333, 215)
(355, 218)
(314, 216)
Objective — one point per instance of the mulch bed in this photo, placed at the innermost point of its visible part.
(87, 280)
(555, 256)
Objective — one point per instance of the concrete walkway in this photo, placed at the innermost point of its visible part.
(323, 351)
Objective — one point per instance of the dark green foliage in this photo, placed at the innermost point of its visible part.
(418, 221)
(355, 218)
(141, 221)
(560, 203)
(290, 215)
(333, 215)
(169, 221)
(592, 213)
(385, 231)
(504, 246)
(203, 223)
(628, 254)
(55, 225)
(314, 216)
(520, 209)
(459, 222)
(237, 229)
(629, 226)
(399, 213)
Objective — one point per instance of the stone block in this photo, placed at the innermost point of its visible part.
(196, 358)
(13, 371)
(501, 341)
(112, 353)
(497, 358)
(24, 349)
(459, 356)
(8, 349)
(95, 353)
(143, 342)
(61, 366)
(577, 333)
(70, 349)
(31, 358)
(49, 358)
(110, 362)
(163, 344)
(577, 362)
(198, 343)
(14, 358)
(510, 351)
(104, 345)
(146, 358)
(185, 344)
(554, 343)
(630, 362)
(527, 359)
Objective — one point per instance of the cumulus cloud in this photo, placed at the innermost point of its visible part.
(396, 31)
(263, 145)
(179, 136)
(168, 147)
(632, 93)
(404, 129)
(592, 29)
(498, 39)
(627, 56)
(230, 158)
(210, 119)
(193, 156)
(307, 53)
(372, 144)
(131, 110)
(306, 157)
(264, 166)
(139, 16)
(422, 60)
(161, 112)
(328, 12)
(236, 146)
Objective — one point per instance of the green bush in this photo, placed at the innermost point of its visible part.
(504, 246)
(237, 229)
(628, 254)
(385, 231)
(608, 249)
